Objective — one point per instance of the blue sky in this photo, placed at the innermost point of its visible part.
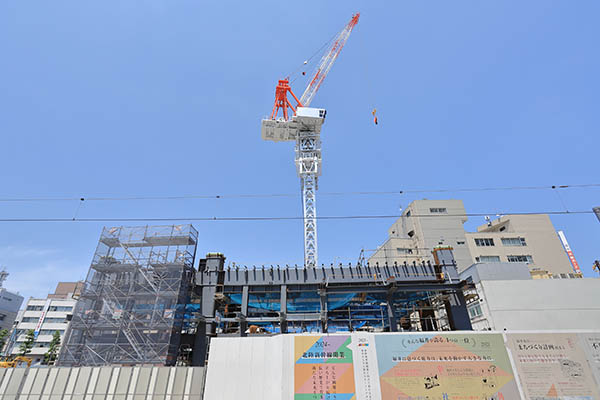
(162, 98)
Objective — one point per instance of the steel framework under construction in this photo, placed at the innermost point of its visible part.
(132, 306)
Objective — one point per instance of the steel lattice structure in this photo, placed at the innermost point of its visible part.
(131, 308)
(308, 165)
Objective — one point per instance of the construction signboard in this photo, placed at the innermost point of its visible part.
(552, 366)
(444, 366)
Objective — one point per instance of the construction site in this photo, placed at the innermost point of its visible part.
(156, 320)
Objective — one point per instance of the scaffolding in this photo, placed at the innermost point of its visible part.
(132, 307)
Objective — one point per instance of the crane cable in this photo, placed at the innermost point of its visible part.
(307, 62)
(370, 91)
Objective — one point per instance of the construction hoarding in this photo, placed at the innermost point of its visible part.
(406, 366)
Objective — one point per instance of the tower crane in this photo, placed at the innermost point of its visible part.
(302, 124)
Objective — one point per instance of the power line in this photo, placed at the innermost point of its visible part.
(249, 196)
(340, 217)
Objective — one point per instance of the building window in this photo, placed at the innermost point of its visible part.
(460, 242)
(49, 331)
(404, 251)
(527, 259)
(30, 319)
(519, 241)
(438, 210)
(2, 316)
(54, 320)
(408, 213)
(475, 311)
(60, 308)
(35, 308)
(484, 242)
(487, 259)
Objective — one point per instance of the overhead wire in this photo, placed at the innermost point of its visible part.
(267, 195)
(339, 217)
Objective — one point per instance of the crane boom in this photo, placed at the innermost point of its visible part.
(327, 62)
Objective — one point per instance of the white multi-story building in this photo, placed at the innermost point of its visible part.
(425, 224)
(45, 317)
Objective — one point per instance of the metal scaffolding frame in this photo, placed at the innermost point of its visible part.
(132, 306)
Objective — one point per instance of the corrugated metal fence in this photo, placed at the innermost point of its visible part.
(102, 383)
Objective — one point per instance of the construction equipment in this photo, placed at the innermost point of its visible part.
(16, 362)
(303, 125)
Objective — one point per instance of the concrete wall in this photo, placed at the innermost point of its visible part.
(496, 272)
(117, 383)
(421, 229)
(542, 304)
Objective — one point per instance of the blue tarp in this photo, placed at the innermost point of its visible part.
(305, 302)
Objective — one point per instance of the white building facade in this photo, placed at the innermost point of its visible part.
(45, 317)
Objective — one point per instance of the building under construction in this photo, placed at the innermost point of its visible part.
(236, 301)
(144, 303)
(132, 307)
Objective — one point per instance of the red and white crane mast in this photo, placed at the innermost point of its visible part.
(303, 125)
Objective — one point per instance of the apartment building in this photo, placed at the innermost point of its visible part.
(425, 224)
(44, 317)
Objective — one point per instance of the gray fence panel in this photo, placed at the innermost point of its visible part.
(12, 389)
(197, 383)
(81, 383)
(38, 384)
(62, 378)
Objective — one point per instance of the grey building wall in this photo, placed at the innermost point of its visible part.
(536, 304)
(496, 272)
(425, 224)
(9, 307)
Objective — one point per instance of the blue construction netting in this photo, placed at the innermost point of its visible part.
(302, 302)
